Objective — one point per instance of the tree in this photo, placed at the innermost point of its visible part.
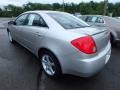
(84, 8)
(0, 9)
(56, 6)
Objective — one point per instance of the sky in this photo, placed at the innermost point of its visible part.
(21, 2)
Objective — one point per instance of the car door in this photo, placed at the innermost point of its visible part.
(18, 27)
(34, 31)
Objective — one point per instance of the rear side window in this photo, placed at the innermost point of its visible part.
(91, 19)
(21, 20)
(36, 20)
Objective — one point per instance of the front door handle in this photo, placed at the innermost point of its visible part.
(38, 34)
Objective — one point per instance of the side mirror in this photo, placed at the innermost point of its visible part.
(11, 23)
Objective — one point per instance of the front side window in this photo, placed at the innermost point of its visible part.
(91, 19)
(88, 19)
(21, 20)
(35, 20)
(67, 21)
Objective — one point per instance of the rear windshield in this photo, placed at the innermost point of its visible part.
(68, 21)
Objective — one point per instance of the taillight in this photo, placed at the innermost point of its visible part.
(85, 44)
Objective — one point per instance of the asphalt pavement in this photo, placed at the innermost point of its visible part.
(4, 21)
(21, 70)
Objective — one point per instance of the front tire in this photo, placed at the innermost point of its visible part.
(50, 64)
(10, 37)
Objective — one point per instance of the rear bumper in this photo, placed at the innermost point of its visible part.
(86, 67)
(89, 67)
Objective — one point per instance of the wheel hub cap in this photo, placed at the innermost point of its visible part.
(48, 65)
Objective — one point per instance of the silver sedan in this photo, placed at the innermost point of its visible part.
(63, 43)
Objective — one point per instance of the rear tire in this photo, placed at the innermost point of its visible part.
(112, 40)
(50, 64)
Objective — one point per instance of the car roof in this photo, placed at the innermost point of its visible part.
(92, 15)
(105, 17)
(41, 11)
(96, 15)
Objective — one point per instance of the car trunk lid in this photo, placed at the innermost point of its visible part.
(101, 37)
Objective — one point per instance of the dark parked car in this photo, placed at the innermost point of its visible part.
(112, 24)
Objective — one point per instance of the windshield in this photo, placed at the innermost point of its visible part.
(68, 21)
